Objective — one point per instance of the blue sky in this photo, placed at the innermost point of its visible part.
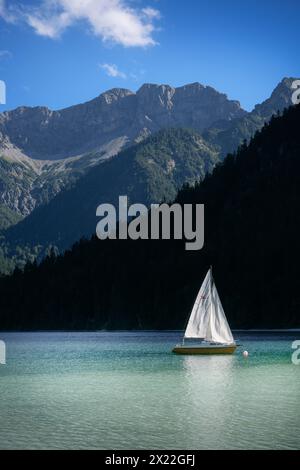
(62, 52)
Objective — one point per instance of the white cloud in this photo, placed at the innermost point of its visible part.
(151, 13)
(112, 70)
(111, 20)
(7, 13)
(2, 8)
(51, 26)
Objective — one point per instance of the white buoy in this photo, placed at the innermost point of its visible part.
(245, 354)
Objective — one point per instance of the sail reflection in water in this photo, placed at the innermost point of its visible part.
(208, 380)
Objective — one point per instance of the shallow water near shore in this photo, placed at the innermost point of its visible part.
(126, 390)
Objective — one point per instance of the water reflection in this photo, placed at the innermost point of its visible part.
(208, 372)
(209, 385)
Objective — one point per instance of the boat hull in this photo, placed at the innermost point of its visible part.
(205, 350)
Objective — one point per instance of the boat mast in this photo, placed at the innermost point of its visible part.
(210, 292)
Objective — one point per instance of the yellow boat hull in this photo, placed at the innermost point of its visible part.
(204, 350)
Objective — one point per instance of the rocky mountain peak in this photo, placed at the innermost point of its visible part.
(194, 87)
(114, 94)
(152, 88)
(151, 95)
(280, 98)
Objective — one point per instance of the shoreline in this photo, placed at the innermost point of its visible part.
(239, 330)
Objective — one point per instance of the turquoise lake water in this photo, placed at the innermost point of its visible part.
(127, 391)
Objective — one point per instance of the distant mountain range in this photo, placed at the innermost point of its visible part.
(57, 166)
(44, 151)
(43, 134)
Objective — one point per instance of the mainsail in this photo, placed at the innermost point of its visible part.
(208, 320)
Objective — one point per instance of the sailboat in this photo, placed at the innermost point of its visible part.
(207, 331)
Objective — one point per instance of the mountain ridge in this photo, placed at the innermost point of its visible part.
(153, 106)
(27, 183)
(40, 142)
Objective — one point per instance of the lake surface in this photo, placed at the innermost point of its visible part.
(127, 391)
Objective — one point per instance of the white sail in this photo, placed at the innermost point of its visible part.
(197, 325)
(208, 320)
(218, 328)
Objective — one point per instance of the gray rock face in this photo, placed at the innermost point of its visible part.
(26, 183)
(227, 136)
(51, 135)
(280, 98)
(193, 106)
